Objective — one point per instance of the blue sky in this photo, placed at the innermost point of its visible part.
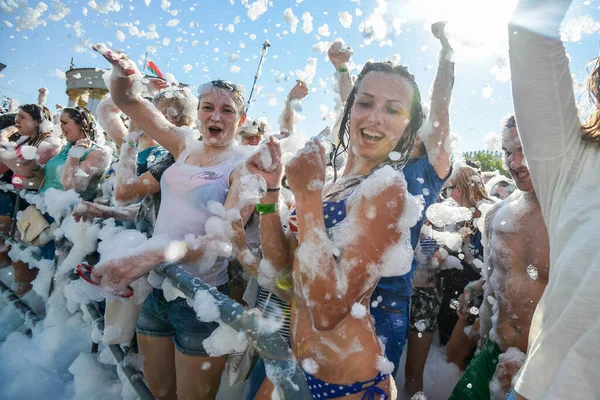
(194, 41)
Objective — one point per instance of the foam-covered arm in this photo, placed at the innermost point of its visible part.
(109, 117)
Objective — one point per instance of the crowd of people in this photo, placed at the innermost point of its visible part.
(360, 244)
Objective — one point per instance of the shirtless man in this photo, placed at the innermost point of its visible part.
(517, 257)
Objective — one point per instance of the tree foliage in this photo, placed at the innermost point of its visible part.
(487, 162)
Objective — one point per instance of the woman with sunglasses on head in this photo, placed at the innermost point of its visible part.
(466, 188)
(170, 335)
(26, 160)
(347, 234)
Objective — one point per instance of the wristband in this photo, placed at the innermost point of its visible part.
(263, 209)
(277, 189)
(131, 143)
(340, 70)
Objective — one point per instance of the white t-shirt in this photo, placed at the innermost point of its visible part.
(563, 359)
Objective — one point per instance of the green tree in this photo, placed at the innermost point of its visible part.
(487, 162)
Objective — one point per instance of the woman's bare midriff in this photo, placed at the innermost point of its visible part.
(345, 355)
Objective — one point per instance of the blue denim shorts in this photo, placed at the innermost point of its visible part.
(162, 318)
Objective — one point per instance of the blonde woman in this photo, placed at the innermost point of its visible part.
(466, 187)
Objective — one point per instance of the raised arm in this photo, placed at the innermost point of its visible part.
(333, 276)
(542, 87)
(439, 153)
(287, 120)
(340, 56)
(277, 248)
(126, 88)
(109, 116)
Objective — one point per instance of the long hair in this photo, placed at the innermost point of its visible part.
(40, 114)
(84, 118)
(469, 181)
(590, 131)
(406, 142)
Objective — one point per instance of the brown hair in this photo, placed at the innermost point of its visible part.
(84, 118)
(40, 114)
(175, 105)
(590, 131)
(405, 144)
(469, 181)
(237, 92)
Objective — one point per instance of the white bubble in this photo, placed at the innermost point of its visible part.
(532, 272)
(394, 156)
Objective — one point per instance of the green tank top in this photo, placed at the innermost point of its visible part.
(53, 177)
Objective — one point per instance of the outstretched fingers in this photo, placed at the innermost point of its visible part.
(117, 58)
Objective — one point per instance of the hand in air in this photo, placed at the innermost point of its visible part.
(118, 59)
(439, 32)
(134, 135)
(299, 91)
(339, 54)
(306, 171)
(273, 173)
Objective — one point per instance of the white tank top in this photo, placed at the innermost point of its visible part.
(186, 191)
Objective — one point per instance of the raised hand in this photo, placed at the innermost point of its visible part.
(306, 171)
(299, 91)
(339, 53)
(134, 135)
(118, 59)
(266, 162)
(439, 32)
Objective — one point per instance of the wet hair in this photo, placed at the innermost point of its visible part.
(40, 114)
(237, 92)
(84, 118)
(590, 131)
(177, 104)
(469, 181)
(37, 112)
(407, 140)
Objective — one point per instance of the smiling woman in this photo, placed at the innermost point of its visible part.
(345, 234)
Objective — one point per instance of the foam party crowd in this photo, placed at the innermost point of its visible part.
(174, 244)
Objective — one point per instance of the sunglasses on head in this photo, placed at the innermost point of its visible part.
(446, 192)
